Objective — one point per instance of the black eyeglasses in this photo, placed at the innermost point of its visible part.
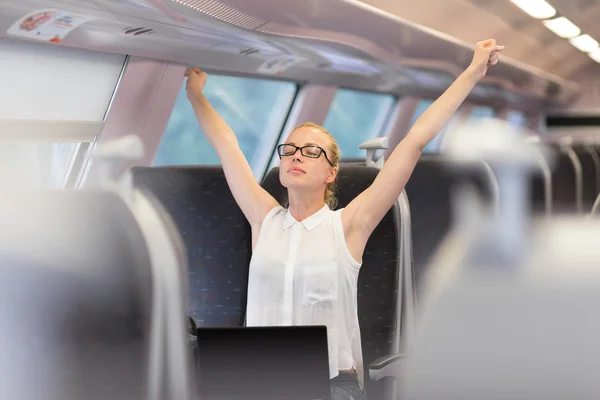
(312, 151)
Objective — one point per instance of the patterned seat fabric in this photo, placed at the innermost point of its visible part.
(430, 191)
(216, 234)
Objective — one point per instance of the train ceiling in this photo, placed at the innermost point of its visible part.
(340, 42)
(526, 38)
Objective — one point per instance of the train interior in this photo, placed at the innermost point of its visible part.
(121, 239)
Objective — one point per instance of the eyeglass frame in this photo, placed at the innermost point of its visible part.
(301, 151)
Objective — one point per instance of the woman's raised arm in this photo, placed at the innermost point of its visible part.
(254, 201)
(365, 212)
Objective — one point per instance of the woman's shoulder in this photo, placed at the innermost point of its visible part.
(275, 213)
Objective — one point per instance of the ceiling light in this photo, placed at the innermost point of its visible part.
(595, 55)
(584, 43)
(539, 9)
(563, 27)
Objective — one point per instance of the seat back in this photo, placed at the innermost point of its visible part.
(596, 157)
(596, 208)
(595, 151)
(430, 191)
(379, 274)
(481, 336)
(588, 176)
(540, 193)
(353, 160)
(566, 183)
(75, 290)
(485, 317)
(216, 234)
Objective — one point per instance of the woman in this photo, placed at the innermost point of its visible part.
(306, 257)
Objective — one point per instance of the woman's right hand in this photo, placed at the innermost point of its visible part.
(196, 79)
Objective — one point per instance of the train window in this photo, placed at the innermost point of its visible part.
(35, 164)
(48, 82)
(255, 109)
(516, 118)
(482, 112)
(435, 144)
(355, 117)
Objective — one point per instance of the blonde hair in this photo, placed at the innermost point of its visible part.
(333, 154)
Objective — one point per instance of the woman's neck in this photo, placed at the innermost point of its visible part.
(303, 206)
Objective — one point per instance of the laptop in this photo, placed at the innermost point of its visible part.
(287, 363)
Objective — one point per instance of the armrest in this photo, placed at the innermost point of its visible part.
(386, 366)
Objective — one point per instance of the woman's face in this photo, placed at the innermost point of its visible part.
(311, 170)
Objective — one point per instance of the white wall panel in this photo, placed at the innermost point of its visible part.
(39, 81)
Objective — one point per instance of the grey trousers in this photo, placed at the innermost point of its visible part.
(347, 387)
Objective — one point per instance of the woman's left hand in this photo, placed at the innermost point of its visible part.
(487, 53)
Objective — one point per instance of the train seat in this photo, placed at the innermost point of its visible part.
(588, 159)
(591, 149)
(379, 276)
(566, 182)
(430, 191)
(596, 208)
(76, 267)
(216, 234)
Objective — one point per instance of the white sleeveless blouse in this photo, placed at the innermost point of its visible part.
(302, 273)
